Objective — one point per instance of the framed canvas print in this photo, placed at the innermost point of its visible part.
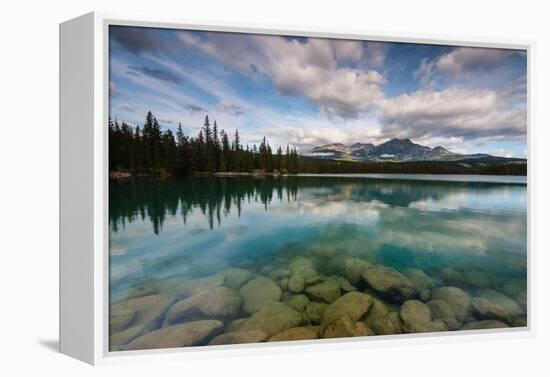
(228, 188)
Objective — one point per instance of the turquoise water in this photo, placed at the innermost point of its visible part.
(199, 227)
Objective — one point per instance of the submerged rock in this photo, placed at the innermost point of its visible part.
(295, 333)
(327, 291)
(283, 283)
(258, 293)
(425, 295)
(354, 305)
(208, 266)
(481, 325)
(176, 287)
(344, 284)
(511, 307)
(239, 337)
(144, 289)
(519, 321)
(417, 317)
(272, 319)
(450, 276)
(123, 337)
(414, 311)
(314, 311)
(495, 305)
(458, 300)
(353, 269)
(184, 335)
(477, 279)
(121, 319)
(146, 311)
(389, 283)
(236, 277)
(379, 309)
(517, 289)
(296, 284)
(442, 311)
(487, 309)
(219, 303)
(235, 325)
(420, 279)
(280, 273)
(302, 271)
(388, 325)
(297, 302)
(344, 327)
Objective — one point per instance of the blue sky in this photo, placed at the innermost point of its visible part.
(308, 92)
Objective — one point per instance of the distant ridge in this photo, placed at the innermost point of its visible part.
(393, 150)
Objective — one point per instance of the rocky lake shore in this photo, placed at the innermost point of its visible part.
(304, 297)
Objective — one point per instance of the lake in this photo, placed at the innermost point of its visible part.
(430, 255)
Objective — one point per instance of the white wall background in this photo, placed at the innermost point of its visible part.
(29, 188)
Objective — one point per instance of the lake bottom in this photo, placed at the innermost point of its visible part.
(316, 274)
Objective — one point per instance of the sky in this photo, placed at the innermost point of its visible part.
(309, 92)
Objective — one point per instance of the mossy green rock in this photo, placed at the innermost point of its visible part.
(314, 311)
(272, 319)
(388, 325)
(327, 291)
(235, 325)
(390, 283)
(296, 302)
(417, 317)
(296, 284)
(379, 309)
(295, 333)
(354, 305)
(219, 303)
(148, 312)
(177, 287)
(509, 305)
(482, 325)
(236, 277)
(239, 337)
(419, 278)
(442, 311)
(344, 327)
(121, 319)
(258, 293)
(458, 300)
(353, 268)
(123, 337)
(183, 335)
(450, 276)
(477, 279)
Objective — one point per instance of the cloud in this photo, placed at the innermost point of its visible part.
(135, 39)
(468, 114)
(307, 132)
(126, 107)
(113, 90)
(469, 59)
(461, 63)
(500, 153)
(156, 73)
(194, 109)
(231, 109)
(515, 90)
(312, 67)
(164, 121)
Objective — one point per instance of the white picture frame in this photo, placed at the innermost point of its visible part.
(84, 87)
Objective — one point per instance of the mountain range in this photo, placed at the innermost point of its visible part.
(393, 150)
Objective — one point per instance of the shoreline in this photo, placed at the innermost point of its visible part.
(482, 178)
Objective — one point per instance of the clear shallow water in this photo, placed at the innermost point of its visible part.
(162, 230)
